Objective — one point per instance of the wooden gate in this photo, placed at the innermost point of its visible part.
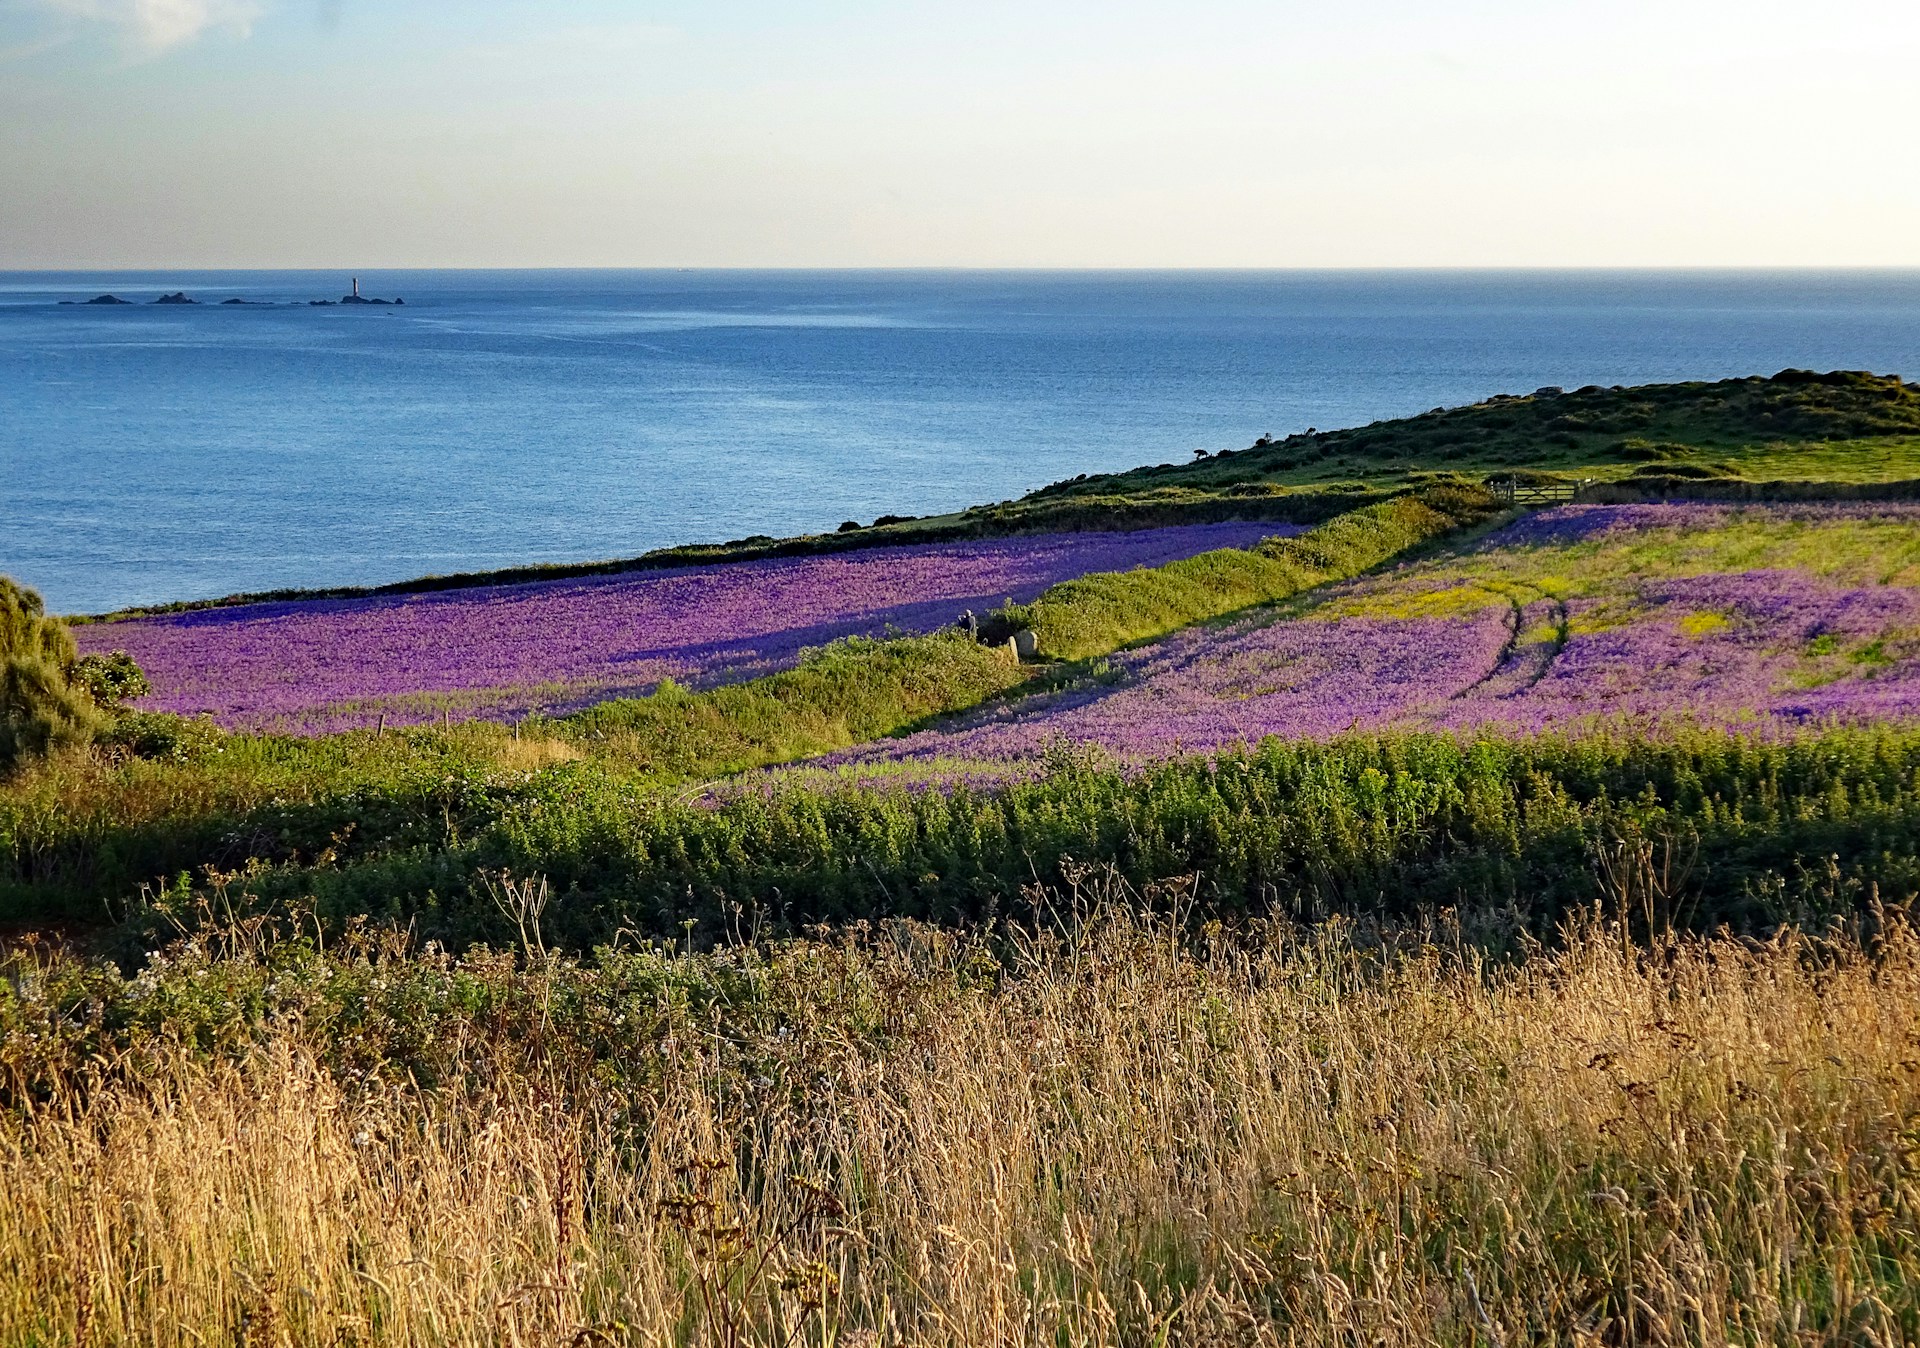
(1516, 492)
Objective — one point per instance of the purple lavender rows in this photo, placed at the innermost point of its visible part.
(315, 666)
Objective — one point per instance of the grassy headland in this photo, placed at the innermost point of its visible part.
(1851, 427)
(1843, 427)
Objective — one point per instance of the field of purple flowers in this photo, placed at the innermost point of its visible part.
(1646, 616)
(501, 651)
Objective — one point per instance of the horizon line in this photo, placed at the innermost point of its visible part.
(1091, 269)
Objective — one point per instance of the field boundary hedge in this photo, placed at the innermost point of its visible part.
(842, 694)
(1738, 489)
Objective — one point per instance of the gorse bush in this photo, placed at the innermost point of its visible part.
(1095, 614)
(159, 735)
(41, 707)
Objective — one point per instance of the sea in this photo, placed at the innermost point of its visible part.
(153, 452)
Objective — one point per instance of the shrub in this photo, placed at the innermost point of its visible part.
(110, 680)
(160, 736)
(1636, 450)
(1692, 472)
(1833, 378)
(41, 708)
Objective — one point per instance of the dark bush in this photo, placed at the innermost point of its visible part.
(111, 679)
(160, 736)
(1688, 472)
(1646, 451)
(1832, 378)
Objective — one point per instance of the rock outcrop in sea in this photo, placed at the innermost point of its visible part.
(357, 298)
(181, 297)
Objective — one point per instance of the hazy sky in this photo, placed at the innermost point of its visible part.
(958, 132)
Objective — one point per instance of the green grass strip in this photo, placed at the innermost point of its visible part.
(1095, 614)
(853, 690)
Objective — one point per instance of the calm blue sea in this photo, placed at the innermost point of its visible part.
(152, 453)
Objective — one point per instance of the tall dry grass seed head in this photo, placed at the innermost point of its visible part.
(759, 1275)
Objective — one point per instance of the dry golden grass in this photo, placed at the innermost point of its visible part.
(529, 753)
(1110, 1137)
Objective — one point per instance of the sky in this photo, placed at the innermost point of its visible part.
(988, 133)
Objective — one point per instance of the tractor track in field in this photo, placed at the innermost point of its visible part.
(1522, 666)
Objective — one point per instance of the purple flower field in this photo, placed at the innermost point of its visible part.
(315, 666)
(1758, 647)
(1598, 523)
(1466, 645)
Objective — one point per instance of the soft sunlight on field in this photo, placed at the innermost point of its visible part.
(503, 651)
(1770, 616)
